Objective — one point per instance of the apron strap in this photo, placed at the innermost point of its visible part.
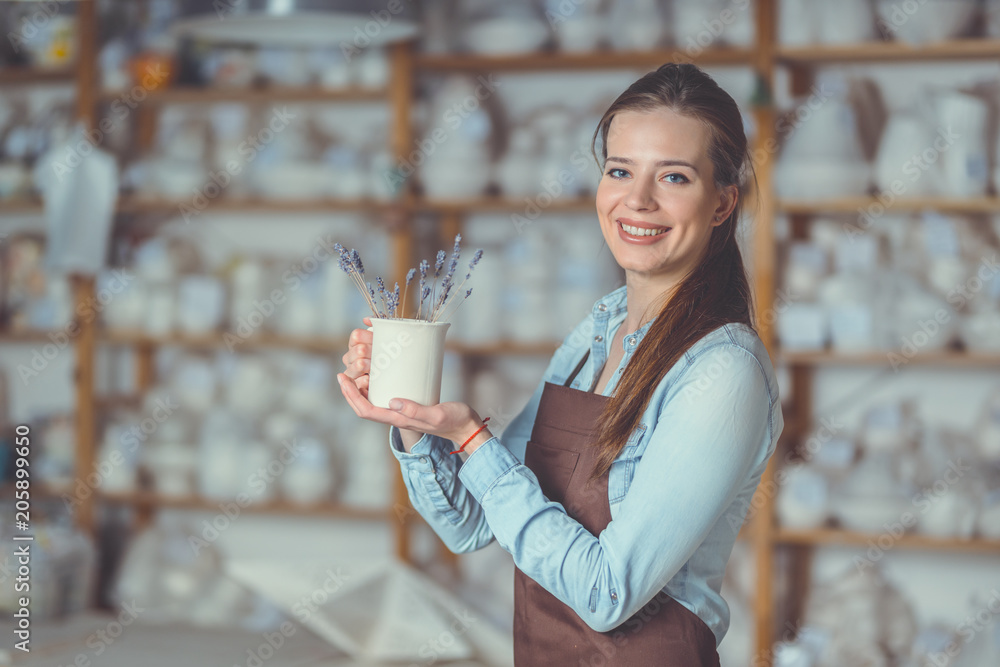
(576, 370)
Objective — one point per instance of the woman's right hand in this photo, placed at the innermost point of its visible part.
(358, 358)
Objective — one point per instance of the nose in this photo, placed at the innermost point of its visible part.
(640, 195)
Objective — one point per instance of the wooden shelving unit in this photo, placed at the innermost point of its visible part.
(17, 76)
(837, 537)
(766, 537)
(954, 359)
(266, 95)
(959, 49)
(331, 510)
(854, 205)
(548, 62)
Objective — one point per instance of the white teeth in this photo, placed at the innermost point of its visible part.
(641, 231)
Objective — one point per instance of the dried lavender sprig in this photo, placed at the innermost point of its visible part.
(382, 293)
(371, 291)
(446, 284)
(423, 297)
(409, 277)
(460, 302)
(395, 300)
(350, 263)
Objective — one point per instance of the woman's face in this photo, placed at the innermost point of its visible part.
(658, 178)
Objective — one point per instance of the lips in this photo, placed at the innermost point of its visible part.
(639, 229)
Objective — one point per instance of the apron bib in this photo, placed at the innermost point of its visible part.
(547, 632)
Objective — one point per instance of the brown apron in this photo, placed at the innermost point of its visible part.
(547, 632)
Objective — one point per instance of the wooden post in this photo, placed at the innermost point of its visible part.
(764, 260)
(401, 139)
(83, 286)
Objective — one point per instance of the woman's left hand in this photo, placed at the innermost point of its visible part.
(453, 420)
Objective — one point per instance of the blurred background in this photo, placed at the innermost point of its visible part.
(174, 174)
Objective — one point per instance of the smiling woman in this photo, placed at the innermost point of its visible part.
(621, 486)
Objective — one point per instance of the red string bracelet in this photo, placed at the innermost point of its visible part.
(478, 430)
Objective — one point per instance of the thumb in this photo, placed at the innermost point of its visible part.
(405, 406)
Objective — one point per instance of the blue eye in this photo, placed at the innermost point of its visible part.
(610, 173)
(681, 176)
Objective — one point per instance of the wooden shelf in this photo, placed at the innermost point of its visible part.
(21, 206)
(28, 336)
(502, 204)
(825, 358)
(250, 205)
(311, 344)
(540, 62)
(960, 49)
(899, 205)
(222, 340)
(834, 536)
(34, 75)
(211, 95)
(503, 347)
(145, 499)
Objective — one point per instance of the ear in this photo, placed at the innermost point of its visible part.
(727, 202)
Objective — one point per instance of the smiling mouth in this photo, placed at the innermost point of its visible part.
(642, 231)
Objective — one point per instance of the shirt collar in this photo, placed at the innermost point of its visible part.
(615, 307)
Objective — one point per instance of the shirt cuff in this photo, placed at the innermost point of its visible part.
(427, 445)
(485, 466)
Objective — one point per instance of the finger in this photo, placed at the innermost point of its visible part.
(367, 320)
(426, 416)
(364, 409)
(357, 368)
(360, 336)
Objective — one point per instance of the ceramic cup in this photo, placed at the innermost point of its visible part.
(407, 359)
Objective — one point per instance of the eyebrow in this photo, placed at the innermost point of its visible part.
(661, 163)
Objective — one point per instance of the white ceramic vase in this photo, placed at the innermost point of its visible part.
(407, 361)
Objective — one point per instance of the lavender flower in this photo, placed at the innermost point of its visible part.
(475, 260)
(441, 296)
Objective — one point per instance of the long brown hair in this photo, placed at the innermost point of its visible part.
(716, 291)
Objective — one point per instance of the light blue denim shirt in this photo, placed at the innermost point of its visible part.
(678, 491)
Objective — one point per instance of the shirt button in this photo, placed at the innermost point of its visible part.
(614, 597)
(423, 459)
(631, 341)
(601, 307)
(598, 338)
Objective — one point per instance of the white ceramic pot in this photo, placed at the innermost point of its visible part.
(951, 514)
(505, 35)
(804, 501)
(580, 34)
(964, 165)
(925, 21)
(846, 22)
(988, 525)
(893, 164)
(407, 360)
(200, 304)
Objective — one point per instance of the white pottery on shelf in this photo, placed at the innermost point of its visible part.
(895, 170)
(637, 25)
(987, 429)
(804, 501)
(200, 304)
(965, 161)
(927, 21)
(307, 478)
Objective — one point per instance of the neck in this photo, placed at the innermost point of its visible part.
(645, 296)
